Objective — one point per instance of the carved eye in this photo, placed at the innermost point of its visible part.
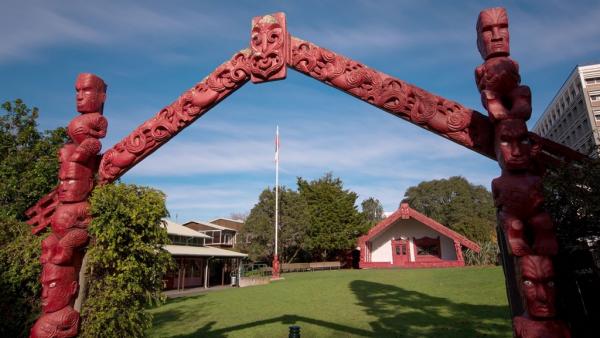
(52, 285)
(550, 284)
(504, 143)
(256, 39)
(525, 141)
(527, 283)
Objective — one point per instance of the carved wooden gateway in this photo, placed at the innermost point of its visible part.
(526, 231)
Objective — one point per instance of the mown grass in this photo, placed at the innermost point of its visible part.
(437, 303)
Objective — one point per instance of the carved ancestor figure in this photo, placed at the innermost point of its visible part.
(62, 249)
(78, 162)
(539, 292)
(498, 77)
(59, 319)
(86, 129)
(518, 193)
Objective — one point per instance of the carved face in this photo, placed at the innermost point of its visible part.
(71, 191)
(91, 93)
(537, 275)
(512, 145)
(492, 33)
(267, 35)
(59, 285)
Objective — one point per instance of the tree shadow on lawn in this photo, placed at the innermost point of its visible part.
(187, 311)
(208, 331)
(399, 313)
(405, 313)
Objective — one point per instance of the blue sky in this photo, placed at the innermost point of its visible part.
(150, 52)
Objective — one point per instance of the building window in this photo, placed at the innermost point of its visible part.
(597, 116)
(595, 97)
(427, 246)
(593, 80)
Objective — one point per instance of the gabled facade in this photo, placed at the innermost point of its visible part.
(218, 235)
(408, 238)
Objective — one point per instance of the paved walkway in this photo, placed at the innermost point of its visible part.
(194, 291)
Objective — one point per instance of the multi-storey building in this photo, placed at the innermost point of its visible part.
(573, 116)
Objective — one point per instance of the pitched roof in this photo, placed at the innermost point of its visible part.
(178, 229)
(208, 224)
(235, 224)
(204, 251)
(406, 212)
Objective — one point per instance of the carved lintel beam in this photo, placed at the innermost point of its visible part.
(270, 45)
(434, 113)
(441, 116)
(172, 119)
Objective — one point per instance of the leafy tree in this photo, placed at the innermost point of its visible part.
(28, 171)
(259, 226)
(28, 161)
(335, 222)
(573, 198)
(20, 270)
(459, 205)
(372, 210)
(126, 260)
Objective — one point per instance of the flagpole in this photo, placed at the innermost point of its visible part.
(276, 256)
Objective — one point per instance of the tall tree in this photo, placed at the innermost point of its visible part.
(372, 210)
(28, 160)
(335, 222)
(458, 204)
(258, 233)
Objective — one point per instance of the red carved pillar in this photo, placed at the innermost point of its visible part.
(62, 251)
(275, 274)
(459, 254)
(526, 230)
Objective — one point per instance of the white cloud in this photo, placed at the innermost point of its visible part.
(27, 29)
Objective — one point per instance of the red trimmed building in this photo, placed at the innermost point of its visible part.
(407, 238)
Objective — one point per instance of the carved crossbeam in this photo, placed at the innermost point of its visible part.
(439, 115)
(172, 119)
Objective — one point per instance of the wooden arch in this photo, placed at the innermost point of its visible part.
(272, 50)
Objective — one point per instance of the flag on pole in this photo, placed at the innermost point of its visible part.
(277, 145)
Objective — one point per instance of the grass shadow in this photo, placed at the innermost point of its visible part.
(405, 313)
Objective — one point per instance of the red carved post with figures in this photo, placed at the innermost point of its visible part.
(526, 230)
(62, 250)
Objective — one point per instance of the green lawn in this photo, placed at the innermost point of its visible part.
(458, 302)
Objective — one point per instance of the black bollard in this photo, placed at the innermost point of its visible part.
(294, 332)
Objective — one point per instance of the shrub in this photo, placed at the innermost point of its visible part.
(126, 261)
(487, 256)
